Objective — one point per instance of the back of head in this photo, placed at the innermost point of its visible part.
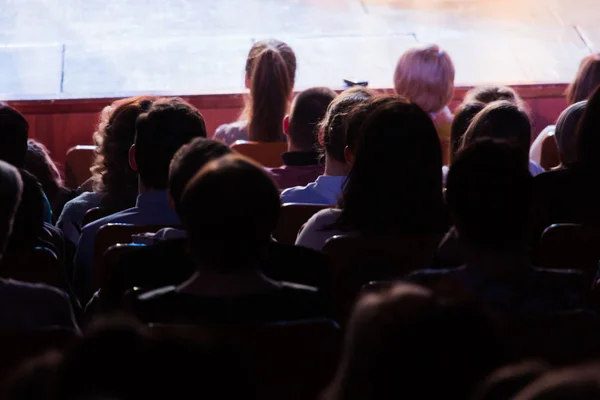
(586, 80)
(574, 383)
(229, 210)
(587, 136)
(491, 93)
(29, 219)
(39, 163)
(406, 343)
(508, 381)
(463, 116)
(395, 184)
(14, 131)
(271, 71)
(111, 172)
(190, 159)
(425, 75)
(565, 132)
(11, 188)
(308, 109)
(489, 195)
(160, 132)
(333, 125)
(500, 120)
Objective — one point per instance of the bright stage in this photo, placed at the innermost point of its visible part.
(99, 48)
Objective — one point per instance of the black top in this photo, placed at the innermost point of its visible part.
(300, 158)
(287, 302)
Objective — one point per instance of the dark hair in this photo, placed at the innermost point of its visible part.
(29, 220)
(111, 173)
(333, 125)
(489, 94)
(404, 343)
(587, 137)
(508, 381)
(460, 123)
(39, 163)
(190, 159)
(11, 188)
(565, 132)
(586, 81)
(34, 379)
(14, 132)
(308, 109)
(574, 383)
(160, 132)
(489, 194)
(229, 210)
(395, 184)
(500, 120)
(271, 70)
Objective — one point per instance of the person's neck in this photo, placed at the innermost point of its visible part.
(143, 189)
(335, 168)
(207, 282)
(496, 263)
(292, 148)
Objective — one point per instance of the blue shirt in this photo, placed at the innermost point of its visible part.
(151, 208)
(325, 190)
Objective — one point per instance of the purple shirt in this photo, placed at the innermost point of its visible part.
(299, 169)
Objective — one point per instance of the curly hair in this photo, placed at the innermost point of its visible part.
(111, 173)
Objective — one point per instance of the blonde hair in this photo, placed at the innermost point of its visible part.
(425, 75)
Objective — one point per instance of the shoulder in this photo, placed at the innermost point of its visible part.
(290, 195)
(79, 205)
(325, 217)
(35, 291)
(229, 133)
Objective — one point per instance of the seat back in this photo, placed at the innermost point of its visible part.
(266, 154)
(291, 219)
(111, 258)
(111, 234)
(41, 265)
(571, 246)
(292, 360)
(356, 261)
(549, 157)
(17, 346)
(94, 214)
(77, 165)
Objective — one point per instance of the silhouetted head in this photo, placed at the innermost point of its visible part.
(39, 163)
(11, 188)
(508, 381)
(491, 93)
(229, 210)
(489, 195)
(566, 132)
(574, 383)
(588, 137)
(500, 120)
(395, 183)
(29, 219)
(14, 132)
(463, 116)
(190, 159)
(405, 343)
(307, 111)
(586, 81)
(160, 132)
(270, 75)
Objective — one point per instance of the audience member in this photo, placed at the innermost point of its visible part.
(301, 164)
(39, 163)
(167, 262)
(114, 182)
(26, 305)
(425, 75)
(228, 240)
(490, 93)
(565, 133)
(160, 132)
(405, 343)
(396, 143)
(327, 188)
(508, 381)
(463, 117)
(14, 131)
(504, 121)
(270, 75)
(571, 195)
(572, 383)
(489, 195)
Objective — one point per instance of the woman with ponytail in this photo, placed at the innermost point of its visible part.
(270, 73)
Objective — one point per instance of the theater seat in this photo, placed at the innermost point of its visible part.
(291, 219)
(288, 360)
(356, 261)
(77, 165)
(41, 265)
(266, 154)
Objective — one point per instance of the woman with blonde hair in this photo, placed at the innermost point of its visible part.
(425, 76)
(114, 182)
(270, 75)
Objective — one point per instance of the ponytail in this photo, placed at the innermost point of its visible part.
(271, 83)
